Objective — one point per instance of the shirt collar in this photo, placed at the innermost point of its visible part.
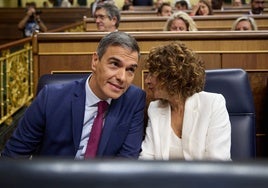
(91, 98)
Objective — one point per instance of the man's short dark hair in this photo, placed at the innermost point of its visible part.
(117, 38)
(111, 10)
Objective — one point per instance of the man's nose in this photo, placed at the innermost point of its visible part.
(121, 74)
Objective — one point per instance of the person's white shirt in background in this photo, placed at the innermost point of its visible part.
(65, 3)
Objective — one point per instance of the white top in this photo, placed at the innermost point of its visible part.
(175, 149)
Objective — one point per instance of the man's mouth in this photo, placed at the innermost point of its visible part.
(116, 86)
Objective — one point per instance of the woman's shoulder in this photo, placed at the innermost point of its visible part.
(205, 94)
(157, 105)
(208, 97)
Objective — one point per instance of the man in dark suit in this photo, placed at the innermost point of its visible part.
(60, 119)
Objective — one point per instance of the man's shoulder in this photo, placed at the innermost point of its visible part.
(66, 87)
(134, 90)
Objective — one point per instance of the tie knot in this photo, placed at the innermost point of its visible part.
(102, 107)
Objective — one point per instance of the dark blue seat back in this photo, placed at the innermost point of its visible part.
(59, 79)
(234, 85)
(105, 173)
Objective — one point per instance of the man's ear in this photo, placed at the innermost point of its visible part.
(94, 61)
(114, 20)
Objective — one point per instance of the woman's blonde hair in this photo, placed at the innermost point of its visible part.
(191, 26)
(245, 18)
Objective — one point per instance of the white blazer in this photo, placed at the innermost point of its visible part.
(206, 133)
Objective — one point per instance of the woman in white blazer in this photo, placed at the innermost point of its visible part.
(184, 122)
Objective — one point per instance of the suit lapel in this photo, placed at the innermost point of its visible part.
(78, 110)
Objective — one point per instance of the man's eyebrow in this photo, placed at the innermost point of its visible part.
(114, 59)
(118, 60)
(134, 65)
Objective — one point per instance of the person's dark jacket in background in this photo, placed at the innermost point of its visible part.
(143, 2)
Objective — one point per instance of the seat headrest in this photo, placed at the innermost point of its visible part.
(234, 85)
(59, 79)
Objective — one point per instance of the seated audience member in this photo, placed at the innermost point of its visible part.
(60, 120)
(217, 4)
(157, 4)
(143, 2)
(181, 5)
(189, 5)
(244, 23)
(107, 17)
(66, 3)
(164, 10)
(237, 3)
(180, 21)
(127, 5)
(82, 2)
(55, 3)
(257, 7)
(203, 8)
(184, 122)
(94, 4)
(45, 4)
(31, 22)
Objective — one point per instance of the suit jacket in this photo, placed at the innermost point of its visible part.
(52, 125)
(206, 130)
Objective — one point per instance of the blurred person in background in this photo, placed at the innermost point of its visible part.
(107, 17)
(181, 5)
(31, 22)
(217, 4)
(180, 21)
(164, 10)
(237, 3)
(244, 23)
(142, 2)
(203, 8)
(66, 3)
(128, 5)
(157, 4)
(257, 7)
(187, 1)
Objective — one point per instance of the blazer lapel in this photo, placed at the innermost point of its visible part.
(164, 123)
(190, 121)
(78, 110)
